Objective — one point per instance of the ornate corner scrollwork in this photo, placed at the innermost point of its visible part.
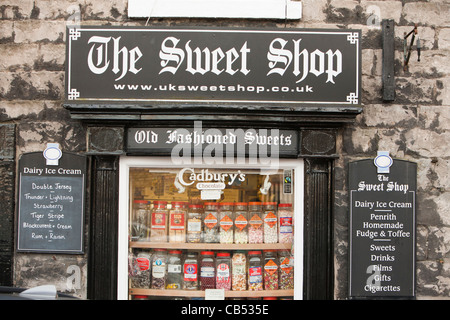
(74, 33)
(353, 37)
(352, 98)
(73, 94)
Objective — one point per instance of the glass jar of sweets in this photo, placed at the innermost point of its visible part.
(158, 231)
(270, 270)
(141, 221)
(286, 266)
(270, 222)
(240, 222)
(223, 271)
(174, 275)
(239, 271)
(177, 222)
(285, 221)
(140, 278)
(255, 228)
(159, 268)
(210, 222)
(207, 270)
(190, 271)
(194, 223)
(255, 274)
(226, 228)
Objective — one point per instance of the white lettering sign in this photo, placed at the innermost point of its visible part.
(124, 60)
(304, 62)
(203, 60)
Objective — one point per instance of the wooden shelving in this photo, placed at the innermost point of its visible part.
(201, 294)
(211, 246)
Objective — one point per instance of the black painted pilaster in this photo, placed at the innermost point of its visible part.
(102, 273)
(7, 207)
(318, 237)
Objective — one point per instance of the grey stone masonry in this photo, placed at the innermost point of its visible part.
(415, 126)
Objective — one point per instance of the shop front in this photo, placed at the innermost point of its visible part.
(211, 157)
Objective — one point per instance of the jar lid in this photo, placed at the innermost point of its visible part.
(240, 203)
(270, 298)
(254, 252)
(227, 203)
(211, 203)
(207, 253)
(285, 205)
(158, 249)
(269, 203)
(254, 203)
(159, 202)
(178, 203)
(195, 206)
(140, 297)
(141, 201)
(175, 251)
(223, 254)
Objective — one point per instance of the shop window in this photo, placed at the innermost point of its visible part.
(196, 232)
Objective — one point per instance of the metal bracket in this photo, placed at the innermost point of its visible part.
(388, 59)
(407, 50)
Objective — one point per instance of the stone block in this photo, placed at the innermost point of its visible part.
(432, 64)
(372, 59)
(16, 9)
(34, 136)
(39, 31)
(444, 39)
(389, 116)
(313, 10)
(105, 10)
(427, 13)
(443, 96)
(418, 90)
(425, 143)
(434, 118)
(26, 57)
(6, 31)
(45, 85)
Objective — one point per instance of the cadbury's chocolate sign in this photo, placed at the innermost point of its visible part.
(213, 65)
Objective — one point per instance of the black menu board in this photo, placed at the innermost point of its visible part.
(51, 204)
(382, 229)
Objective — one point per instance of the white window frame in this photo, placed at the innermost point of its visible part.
(166, 162)
(229, 9)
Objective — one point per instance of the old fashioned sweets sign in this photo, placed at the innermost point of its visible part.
(382, 227)
(51, 203)
(231, 141)
(149, 65)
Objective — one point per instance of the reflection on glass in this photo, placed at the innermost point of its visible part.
(240, 220)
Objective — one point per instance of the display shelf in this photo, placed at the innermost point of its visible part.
(201, 294)
(210, 246)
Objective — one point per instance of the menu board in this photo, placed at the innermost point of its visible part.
(51, 204)
(382, 229)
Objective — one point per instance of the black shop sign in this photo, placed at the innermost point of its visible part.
(51, 203)
(149, 65)
(382, 228)
(214, 142)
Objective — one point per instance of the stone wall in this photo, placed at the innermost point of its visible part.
(413, 127)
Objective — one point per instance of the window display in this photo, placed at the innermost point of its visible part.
(203, 229)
